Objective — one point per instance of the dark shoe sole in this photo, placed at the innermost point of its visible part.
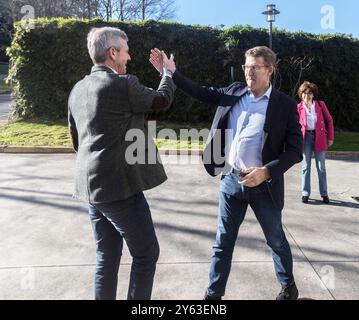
(208, 298)
(296, 295)
(326, 200)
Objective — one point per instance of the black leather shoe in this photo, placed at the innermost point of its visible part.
(288, 293)
(326, 200)
(305, 199)
(207, 297)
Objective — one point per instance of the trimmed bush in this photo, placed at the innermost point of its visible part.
(52, 57)
(334, 69)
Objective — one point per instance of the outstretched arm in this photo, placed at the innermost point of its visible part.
(205, 94)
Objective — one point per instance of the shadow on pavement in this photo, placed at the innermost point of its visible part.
(334, 203)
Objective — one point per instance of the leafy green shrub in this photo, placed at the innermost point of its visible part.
(52, 57)
(334, 67)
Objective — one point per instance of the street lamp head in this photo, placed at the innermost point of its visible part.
(271, 12)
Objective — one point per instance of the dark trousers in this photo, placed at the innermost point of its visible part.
(128, 220)
(233, 203)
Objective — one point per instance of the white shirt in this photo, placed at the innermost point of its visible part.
(246, 123)
(311, 117)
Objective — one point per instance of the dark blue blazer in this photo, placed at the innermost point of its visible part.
(283, 142)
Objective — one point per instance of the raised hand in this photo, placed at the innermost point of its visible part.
(169, 63)
(156, 59)
(160, 60)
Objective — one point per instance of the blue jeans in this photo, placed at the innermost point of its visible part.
(309, 144)
(130, 220)
(233, 202)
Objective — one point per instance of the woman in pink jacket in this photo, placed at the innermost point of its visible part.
(318, 135)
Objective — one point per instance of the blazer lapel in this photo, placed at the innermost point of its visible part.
(265, 136)
(231, 100)
(302, 115)
(270, 116)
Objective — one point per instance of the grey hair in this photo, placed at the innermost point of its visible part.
(99, 40)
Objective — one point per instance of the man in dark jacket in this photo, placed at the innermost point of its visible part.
(255, 138)
(104, 108)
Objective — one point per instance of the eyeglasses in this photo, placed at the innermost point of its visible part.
(254, 68)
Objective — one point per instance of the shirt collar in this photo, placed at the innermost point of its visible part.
(312, 107)
(97, 67)
(112, 70)
(266, 94)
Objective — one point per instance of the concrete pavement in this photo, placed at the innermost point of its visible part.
(48, 252)
(5, 108)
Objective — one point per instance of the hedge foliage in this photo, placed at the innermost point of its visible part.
(52, 57)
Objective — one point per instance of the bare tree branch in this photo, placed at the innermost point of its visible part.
(155, 9)
(294, 68)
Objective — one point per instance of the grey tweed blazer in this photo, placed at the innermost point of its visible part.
(102, 108)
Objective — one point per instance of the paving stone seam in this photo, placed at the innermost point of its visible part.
(165, 264)
(310, 263)
(196, 152)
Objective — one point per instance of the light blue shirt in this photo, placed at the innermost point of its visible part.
(245, 137)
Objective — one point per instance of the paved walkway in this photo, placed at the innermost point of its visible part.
(47, 249)
(5, 108)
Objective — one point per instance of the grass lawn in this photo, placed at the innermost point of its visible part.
(4, 88)
(47, 133)
(346, 141)
(29, 133)
(168, 143)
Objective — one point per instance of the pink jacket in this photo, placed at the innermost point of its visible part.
(322, 133)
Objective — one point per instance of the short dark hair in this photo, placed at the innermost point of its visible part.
(306, 85)
(268, 55)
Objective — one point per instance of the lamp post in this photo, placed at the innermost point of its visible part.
(271, 13)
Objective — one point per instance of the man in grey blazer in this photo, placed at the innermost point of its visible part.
(103, 108)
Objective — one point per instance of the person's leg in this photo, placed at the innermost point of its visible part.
(132, 219)
(306, 164)
(231, 214)
(322, 173)
(270, 219)
(109, 244)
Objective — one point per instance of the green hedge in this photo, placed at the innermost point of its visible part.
(334, 69)
(51, 58)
